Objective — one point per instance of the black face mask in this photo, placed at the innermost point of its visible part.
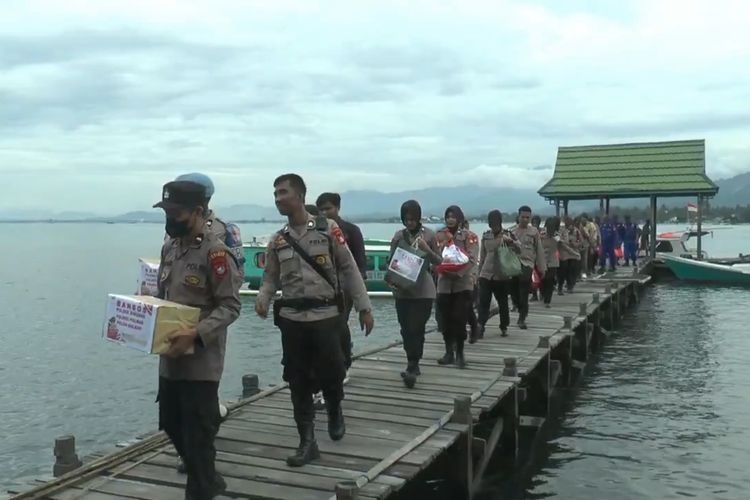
(177, 228)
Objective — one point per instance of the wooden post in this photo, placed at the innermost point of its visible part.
(543, 341)
(250, 385)
(607, 206)
(699, 216)
(465, 467)
(347, 490)
(583, 309)
(66, 458)
(557, 207)
(595, 298)
(568, 322)
(565, 207)
(601, 206)
(511, 367)
(652, 239)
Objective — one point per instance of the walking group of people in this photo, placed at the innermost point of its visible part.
(317, 261)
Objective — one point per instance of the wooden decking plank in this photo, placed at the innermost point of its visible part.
(354, 427)
(312, 469)
(350, 405)
(287, 476)
(401, 469)
(353, 446)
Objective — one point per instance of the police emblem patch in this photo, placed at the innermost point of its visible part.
(219, 264)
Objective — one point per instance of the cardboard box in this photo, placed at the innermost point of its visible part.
(148, 278)
(145, 323)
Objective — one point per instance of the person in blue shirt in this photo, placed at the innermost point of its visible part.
(609, 243)
(630, 234)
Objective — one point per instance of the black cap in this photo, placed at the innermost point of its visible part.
(181, 194)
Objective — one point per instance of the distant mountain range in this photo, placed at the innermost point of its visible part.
(370, 204)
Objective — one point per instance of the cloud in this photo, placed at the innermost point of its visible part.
(378, 95)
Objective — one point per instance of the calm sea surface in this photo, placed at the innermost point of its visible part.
(664, 414)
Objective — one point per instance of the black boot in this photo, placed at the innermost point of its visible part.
(522, 323)
(449, 357)
(460, 360)
(308, 448)
(410, 374)
(481, 331)
(336, 426)
(474, 335)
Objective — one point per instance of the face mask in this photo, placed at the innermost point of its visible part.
(177, 228)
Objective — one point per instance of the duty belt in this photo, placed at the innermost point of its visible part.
(305, 303)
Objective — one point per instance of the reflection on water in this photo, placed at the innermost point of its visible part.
(662, 414)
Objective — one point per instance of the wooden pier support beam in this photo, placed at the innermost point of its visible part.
(250, 385)
(511, 367)
(568, 322)
(464, 469)
(347, 490)
(66, 458)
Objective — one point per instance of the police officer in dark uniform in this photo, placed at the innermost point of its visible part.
(196, 269)
(309, 260)
(227, 232)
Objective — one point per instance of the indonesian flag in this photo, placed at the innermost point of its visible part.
(692, 207)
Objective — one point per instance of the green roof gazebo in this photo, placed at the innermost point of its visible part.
(637, 170)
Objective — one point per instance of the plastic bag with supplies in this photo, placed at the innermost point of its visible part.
(455, 260)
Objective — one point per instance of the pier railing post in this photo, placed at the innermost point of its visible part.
(511, 367)
(347, 490)
(568, 322)
(66, 458)
(465, 467)
(584, 308)
(250, 385)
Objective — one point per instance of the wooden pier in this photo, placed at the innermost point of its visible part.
(449, 426)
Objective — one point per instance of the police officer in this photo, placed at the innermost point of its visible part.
(491, 279)
(306, 259)
(414, 305)
(196, 269)
(329, 204)
(227, 232)
(630, 241)
(454, 289)
(531, 253)
(609, 238)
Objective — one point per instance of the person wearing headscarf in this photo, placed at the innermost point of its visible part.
(550, 243)
(455, 288)
(492, 281)
(414, 303)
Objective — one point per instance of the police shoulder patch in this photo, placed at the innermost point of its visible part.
(219, 263)
(338, 234)
(472, 239)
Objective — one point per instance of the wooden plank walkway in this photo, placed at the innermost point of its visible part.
(393, 433)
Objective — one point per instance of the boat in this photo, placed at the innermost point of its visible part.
(676, 244)
(698, 271)
(376, 251)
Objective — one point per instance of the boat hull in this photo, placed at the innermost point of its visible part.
(705, 272)
(377, 252)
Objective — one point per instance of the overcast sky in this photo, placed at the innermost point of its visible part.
(101, 102)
